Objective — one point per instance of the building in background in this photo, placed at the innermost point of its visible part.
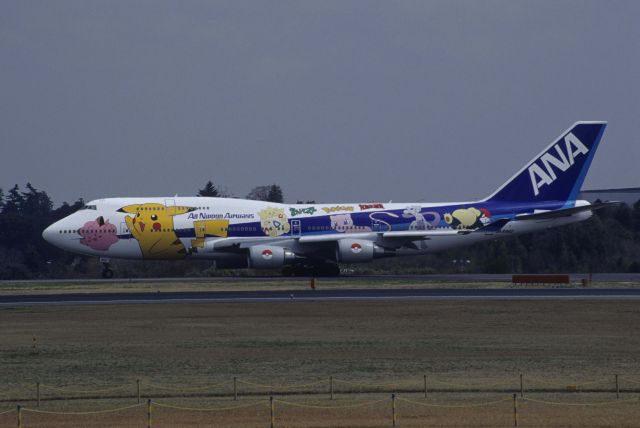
(629, 195)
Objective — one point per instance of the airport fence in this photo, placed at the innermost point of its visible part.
(330, 394)
(236, 387)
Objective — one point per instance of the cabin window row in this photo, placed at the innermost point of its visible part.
(110, 231)
(92, 207)
(224, 229)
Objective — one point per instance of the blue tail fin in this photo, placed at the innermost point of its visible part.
(558, 172)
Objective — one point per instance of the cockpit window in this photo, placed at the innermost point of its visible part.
(89, 207)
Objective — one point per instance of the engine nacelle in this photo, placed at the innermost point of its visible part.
(269, 257)
(357, 251)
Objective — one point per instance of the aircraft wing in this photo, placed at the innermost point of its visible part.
(397, 237)
(405, 235)
(242, 242)
(312, 239)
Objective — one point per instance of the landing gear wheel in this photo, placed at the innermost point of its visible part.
(288, 271)
(328, 269)
(324, 269)
(107, 273)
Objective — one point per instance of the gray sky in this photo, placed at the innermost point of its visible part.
(335, 101)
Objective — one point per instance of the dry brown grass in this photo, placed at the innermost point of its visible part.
(224, 284)
(257, 283)
(90, 347)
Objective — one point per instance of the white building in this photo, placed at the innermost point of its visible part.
(629, 195)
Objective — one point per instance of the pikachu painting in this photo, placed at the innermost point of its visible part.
(152, 226)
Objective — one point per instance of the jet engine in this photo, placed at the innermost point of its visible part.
(269, 257)
(358, 251)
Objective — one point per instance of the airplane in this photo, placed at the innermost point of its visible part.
(312, 239)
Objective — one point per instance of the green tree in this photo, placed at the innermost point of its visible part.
(35, 202)
(209, 190)
(270, 193)
(275, 194)
(14, 201)
(66, 209)
(636, 217)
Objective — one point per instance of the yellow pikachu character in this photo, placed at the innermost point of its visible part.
(152, 226)
(207, 228)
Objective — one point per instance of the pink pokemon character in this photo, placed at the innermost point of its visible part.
(98, 235)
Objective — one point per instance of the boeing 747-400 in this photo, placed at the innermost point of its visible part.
(311, 239)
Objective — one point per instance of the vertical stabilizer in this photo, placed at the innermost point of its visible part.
(558, 172)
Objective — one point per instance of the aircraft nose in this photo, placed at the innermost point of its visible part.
(49, 233)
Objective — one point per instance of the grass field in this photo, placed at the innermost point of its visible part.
(452, 342)
(257, 283)
(7, 287)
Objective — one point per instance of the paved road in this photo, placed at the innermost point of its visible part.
(597, 277)
(325, 295)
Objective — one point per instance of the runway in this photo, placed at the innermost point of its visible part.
(459, 277)
(370, 294)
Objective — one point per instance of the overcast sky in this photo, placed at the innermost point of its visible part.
(335, 101)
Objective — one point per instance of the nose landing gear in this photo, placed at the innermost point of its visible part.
(107, 272)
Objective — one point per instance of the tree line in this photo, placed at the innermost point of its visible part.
(608, 242)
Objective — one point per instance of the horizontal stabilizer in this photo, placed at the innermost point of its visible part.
(566, 212)
(495, 226)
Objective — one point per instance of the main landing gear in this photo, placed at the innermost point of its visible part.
(323, 269)
(107, 272)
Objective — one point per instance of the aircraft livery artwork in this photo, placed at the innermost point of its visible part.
(314, 238)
